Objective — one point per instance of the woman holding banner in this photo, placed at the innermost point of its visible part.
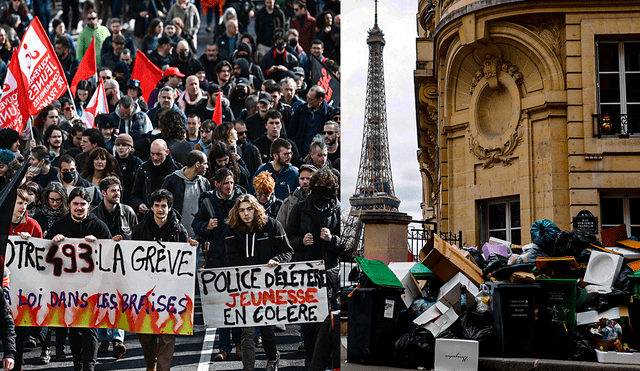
(254, 238)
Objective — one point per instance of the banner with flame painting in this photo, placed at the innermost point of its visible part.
(137, 286)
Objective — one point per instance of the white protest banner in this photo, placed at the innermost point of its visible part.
(258, 295)
(137, 286)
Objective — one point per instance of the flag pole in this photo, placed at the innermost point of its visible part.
(72, 100)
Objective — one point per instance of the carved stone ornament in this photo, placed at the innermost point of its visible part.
(548, 29)
(489, 70)
(496, 155)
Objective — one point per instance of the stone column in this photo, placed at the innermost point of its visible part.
(385, 235)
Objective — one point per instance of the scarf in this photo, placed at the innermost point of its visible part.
(52, 215)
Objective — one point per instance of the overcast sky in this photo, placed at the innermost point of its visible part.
(397, 20)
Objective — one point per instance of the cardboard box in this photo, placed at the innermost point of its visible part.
(456, 355)
(592, 316)
(610, 357)
(412, 288)
(450, 292)
(445, 261)
(437, 318)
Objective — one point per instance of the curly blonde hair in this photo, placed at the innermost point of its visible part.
(264, 183)
(259, 216)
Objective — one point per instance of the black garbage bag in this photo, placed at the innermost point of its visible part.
(495, 262)
(431, 289)
(543, 233)
(572, 243)
(619, 295)
(415, 349)
(476, 255)
(479, 326)
(582, 348)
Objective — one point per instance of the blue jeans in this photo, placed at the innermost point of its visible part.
(110, 334)
(225, 338)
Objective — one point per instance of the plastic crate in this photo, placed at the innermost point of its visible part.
(513, 308)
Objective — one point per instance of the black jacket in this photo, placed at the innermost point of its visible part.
(143, 186)
(272, 206)
(125, 220)
(171, 231)
(128, 167)
(201, 110)
(258, 247)
(69, 228)
(7, 329)
(251, 157)
(212, 206)
(302, 221)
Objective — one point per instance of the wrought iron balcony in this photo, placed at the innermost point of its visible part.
(623, 126)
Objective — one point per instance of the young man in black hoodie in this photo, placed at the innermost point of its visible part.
(78, 223)
(161, 224)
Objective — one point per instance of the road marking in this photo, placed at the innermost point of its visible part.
(207, 349)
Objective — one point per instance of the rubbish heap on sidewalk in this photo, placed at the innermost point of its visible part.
(566, 296)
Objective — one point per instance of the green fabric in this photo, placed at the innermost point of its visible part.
(84, 39)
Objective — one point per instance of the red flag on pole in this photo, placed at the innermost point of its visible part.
(42, 73)
(96, 106)
(13, 107)
(87, 67)
(147, 73)
(217, 110)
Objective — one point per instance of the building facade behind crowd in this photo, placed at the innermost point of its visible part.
(273, 120)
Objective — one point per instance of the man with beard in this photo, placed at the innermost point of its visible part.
(112, 93)
(285, 174)
(184, 59)
(129, 119)
(248, 152)
(150, 175)
(273, 89)
(241, 69)
(110, 58)
(206, 107)
(209, 60)
(331, 134)
(161, 55)
(210, 223)
(300, 194)
(308, 120)
(187, 184)
(68, 61)
(206, 135)
(273, 127)
(120, 219)
(80, 224)
(162, 224)
(314, 232)
(53, 138)
(224, 77)
(166, 99)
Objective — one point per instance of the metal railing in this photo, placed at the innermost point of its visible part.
(620, 125)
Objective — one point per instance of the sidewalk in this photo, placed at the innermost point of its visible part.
(504, 364)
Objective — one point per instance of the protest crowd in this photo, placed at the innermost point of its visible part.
(146, 140)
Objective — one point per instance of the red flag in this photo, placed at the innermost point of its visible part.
(87, 67)
(147, 73)
(96, 106)
(217, 110)
(13, 107)
(42, 74)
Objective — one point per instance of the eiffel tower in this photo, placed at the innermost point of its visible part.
(374, 188)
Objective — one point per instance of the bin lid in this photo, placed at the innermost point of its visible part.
(379, 273)
(420, 271)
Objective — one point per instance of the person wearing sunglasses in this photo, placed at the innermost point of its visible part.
(92, 29)
(331, 135)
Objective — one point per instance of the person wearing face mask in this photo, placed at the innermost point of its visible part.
(314, 232)
(70, 179)
(40, 170)
(239, 94)
(241, 68)
(245, 51)
(184, 60)
(278, 60)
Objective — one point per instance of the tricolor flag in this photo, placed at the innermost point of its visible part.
(96, 106)
(87, 67)
(42, 74)
(13, 107)
(147, 73)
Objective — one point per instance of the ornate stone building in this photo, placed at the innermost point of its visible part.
(528, 110)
